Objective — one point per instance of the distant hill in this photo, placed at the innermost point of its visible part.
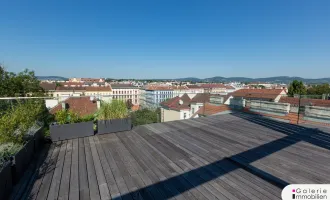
(54, 78)
(276, 79)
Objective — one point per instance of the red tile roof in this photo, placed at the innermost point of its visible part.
(81, 105)
(96, 89)
(229, 87)
(213, 85)
(48, 86)
(70, 88)
(258, 93)
(174, 103)
(305, 102)
(123, 86)
(201, 98)
(180, 87)
(194, 86)
(210, 109)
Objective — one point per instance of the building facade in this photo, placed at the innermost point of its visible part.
(126, 92)
(154, 95)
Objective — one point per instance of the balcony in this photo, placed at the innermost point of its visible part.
(231, 156)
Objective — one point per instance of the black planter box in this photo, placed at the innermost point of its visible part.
(6, 182)
(22, 159)
(114, 125)
(38, 139)
(71, 131)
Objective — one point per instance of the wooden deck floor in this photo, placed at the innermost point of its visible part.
(204, 158)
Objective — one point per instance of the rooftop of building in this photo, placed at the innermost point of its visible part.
(211, 109)
(48, 86)
(259, 93)
(99, 89)
(305, 101)
(177, 103)
(232, 156)
(80, 105)
(123, 86)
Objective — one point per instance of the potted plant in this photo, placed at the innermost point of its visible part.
(113, 117)
(69, 125)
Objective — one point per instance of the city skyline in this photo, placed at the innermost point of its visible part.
(169, 39)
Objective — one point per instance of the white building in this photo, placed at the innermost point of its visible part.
(126, 92)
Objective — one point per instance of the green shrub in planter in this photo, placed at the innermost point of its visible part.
(7, 150)
(69, 126)
(117, 109)
(16, 121)
(113, 117)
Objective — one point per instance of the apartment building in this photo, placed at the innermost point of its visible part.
(180, 91)
(217, 88)
(154, 94)
(98, 91)
(183, 107)
(65, 92)
(126, 92)
(176, 108)
(195, 89)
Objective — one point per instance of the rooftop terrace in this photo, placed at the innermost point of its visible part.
(231, 156)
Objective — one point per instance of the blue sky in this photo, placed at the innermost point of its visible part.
(167, 39)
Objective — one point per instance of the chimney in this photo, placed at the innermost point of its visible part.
(63, 106)
(98, 104)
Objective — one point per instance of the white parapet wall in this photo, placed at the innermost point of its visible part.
(317, 113)
(270, 107)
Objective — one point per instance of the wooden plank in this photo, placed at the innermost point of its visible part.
(65, 180)
(36, 179)
(113, 141)
(92, 181)
(148, 177)
(161, 168)
(74, 179)
(153, 169)
(114, 168)
(48, 174)
(186, 184)
(103, 187)
(56, 181)
(83, 175)
(132, 168)
(114, 191)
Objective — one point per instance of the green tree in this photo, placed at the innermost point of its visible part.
(319, 89)
(145, 116)
(297, 87)
(22, 84)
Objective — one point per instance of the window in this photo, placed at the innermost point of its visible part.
(193, 110)
(184, 115)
